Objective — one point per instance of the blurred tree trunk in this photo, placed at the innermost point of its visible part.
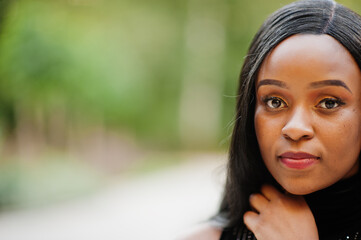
(202, 86)
(4, 6)
(7, 108)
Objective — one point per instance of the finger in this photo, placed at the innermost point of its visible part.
(250, 219)
(258, 202)
(270, 192)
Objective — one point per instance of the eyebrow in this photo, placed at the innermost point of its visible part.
(317, 84)
(324, 83)
(271, 82)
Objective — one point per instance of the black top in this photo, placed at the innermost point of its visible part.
(337, 211)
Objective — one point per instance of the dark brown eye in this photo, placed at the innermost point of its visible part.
(275, 103)
(330, 103)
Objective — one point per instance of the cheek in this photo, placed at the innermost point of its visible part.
(342, 135)
(268, 129)
(260, 124)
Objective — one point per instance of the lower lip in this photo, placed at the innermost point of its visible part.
(298, 163)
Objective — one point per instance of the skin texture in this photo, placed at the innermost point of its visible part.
(302, 123)
(301, 112)
(279, 216)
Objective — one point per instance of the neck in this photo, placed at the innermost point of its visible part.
(337, 208)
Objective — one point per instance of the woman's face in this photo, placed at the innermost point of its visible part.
(308, 113)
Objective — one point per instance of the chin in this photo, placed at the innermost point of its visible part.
(300, 189)
(296, 191)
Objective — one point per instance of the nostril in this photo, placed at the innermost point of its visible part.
(297, 133)
(307, 136)
(299, 126)
(296, 136)
(287, 137)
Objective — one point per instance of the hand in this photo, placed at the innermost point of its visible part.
(280, 217)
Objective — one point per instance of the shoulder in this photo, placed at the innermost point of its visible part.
(203, 232)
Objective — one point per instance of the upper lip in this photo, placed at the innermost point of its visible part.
(297, 155)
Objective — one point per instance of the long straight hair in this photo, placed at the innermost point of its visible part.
(246, 171)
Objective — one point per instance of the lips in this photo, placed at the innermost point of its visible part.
(298, 160)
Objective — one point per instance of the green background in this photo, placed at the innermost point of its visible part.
(94, 88)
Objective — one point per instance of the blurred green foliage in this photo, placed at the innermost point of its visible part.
(90, 76)
(133, 66)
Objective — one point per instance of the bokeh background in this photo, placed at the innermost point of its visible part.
(115, 115)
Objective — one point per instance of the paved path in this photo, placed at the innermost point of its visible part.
(158, 206)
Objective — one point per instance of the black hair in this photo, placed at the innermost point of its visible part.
(246, 171)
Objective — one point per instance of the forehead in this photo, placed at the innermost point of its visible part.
(308, 57)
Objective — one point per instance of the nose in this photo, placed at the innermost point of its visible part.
(299, 126)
